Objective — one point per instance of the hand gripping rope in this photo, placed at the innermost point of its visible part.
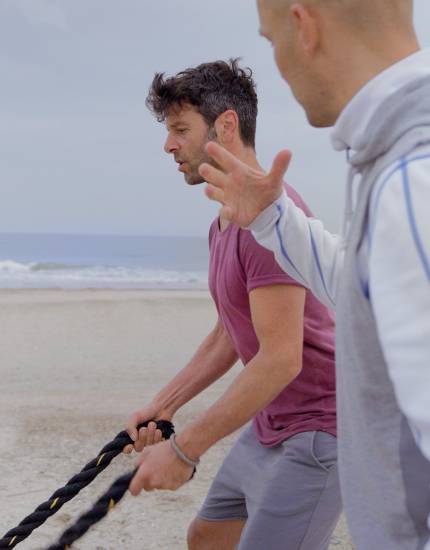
(77, 483)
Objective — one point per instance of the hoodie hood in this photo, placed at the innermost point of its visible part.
(405, 111)
(393, 104)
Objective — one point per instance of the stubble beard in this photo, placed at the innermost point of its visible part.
(193, 177)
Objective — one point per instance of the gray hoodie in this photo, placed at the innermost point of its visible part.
(385, 477)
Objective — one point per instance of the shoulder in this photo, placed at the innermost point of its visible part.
(297, 199)
(399, 214)
(213, 228)
(402, 183)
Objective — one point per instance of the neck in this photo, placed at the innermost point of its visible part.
(366, 65)
(247, 155)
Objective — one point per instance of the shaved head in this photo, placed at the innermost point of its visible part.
(327, 50)
(363, 15)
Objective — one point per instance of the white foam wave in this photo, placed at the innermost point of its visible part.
(50, 275)
(9, 266)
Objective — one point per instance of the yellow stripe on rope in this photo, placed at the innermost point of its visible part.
(111, 503)
(12, 540)
(101, 457)
(54, 504)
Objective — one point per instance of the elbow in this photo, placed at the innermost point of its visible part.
(286, 363)
(293, 365)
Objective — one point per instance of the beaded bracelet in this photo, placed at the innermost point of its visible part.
(181, 454)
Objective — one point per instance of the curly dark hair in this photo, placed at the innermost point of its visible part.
(212, 89)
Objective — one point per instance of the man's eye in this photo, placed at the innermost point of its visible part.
(181, 130)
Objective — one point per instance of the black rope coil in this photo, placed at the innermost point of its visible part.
(104, 504)
(75, 485)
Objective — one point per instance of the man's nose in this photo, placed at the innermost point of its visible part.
(171, 145)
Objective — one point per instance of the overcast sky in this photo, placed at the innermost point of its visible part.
(79, 153)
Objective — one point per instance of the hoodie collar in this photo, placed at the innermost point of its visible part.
(351, 129)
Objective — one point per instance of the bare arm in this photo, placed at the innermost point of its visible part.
(277, 313)
(214, 357)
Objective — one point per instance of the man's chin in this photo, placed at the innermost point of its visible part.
(193, 180)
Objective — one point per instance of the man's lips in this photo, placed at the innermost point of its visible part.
(181, 164)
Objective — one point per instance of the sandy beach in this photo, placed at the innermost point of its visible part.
(74, 365)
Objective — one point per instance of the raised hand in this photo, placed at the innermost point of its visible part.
(243, 191)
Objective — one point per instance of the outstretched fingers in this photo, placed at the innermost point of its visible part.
(222, 157)
(280, 165)
(213, 175)
(214, 193)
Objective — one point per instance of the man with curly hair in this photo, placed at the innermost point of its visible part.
(357, 65)
(278, 487)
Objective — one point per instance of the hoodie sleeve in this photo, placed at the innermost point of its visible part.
(302, 247)
(399, 285)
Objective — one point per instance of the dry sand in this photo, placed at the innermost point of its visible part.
(74, 365)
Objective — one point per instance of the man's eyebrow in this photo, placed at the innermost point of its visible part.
(176, 124)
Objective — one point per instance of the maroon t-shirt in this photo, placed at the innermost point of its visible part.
(238, 265)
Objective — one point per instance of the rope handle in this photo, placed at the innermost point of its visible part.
(100, 509)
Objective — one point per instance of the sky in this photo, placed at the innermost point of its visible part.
(80, 153)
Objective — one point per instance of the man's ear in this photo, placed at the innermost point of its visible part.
(227, 127)
(306, 25)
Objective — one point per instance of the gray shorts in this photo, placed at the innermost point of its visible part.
(289, 495)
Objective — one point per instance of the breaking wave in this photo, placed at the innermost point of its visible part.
(56, 275)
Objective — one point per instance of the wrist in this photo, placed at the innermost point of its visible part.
(193, 463)
(192, 443)
(266, 218)
(163, 412)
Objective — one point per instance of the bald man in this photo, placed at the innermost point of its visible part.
(356, 65)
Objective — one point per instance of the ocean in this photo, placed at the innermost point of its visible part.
(102, 261)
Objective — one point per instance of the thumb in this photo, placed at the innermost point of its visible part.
(280, 166)
(227, 212)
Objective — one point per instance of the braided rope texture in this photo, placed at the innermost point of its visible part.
(104, 504)
(75, 485)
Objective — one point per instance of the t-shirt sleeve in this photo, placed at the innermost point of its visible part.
(259, 264)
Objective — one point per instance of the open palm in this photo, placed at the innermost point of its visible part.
(243, 191)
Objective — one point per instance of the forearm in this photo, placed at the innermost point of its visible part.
(302, 247)
(255, 387)
(214, 357)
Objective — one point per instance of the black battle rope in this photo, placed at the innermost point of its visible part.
(104, 504)
(100, 509)
(75, 485)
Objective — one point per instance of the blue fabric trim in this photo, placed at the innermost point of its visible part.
(376, 203)
(402, 166)
(317, 261)
(366, 290)
(382, 186)
(419, 157)
(412, 221)
(365, 287)
(281, 244)
(417, 434)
